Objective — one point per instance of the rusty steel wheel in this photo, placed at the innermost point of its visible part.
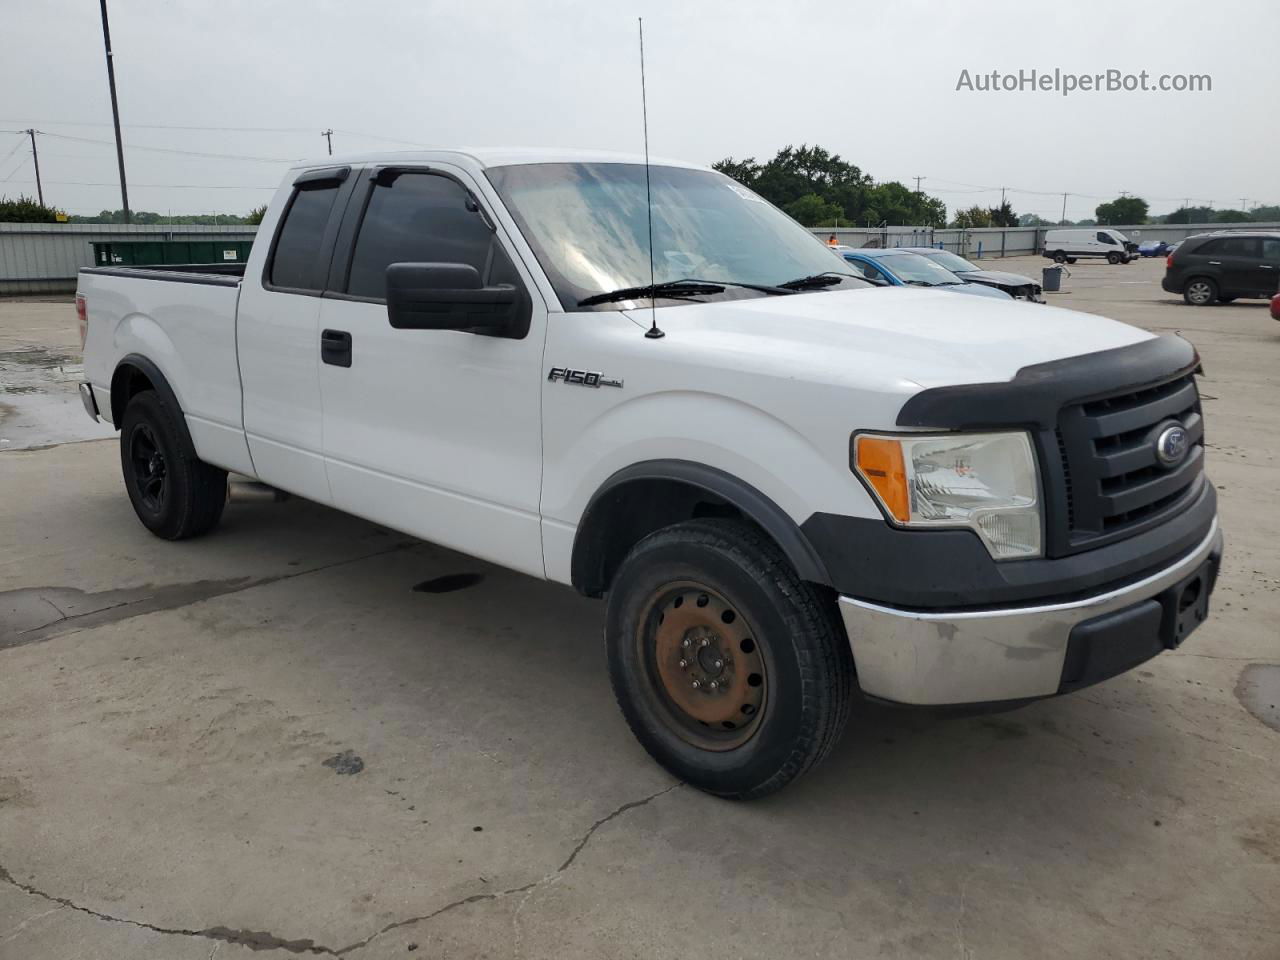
(705, 664)
(732, 672)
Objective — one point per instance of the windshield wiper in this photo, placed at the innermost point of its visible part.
(672, 288)
(680, 288)
(828, 279)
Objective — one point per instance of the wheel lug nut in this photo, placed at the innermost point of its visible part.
(719, 664)
(684, 642)
(713, 685)
(683, 664)
(705, 642)
(696, 685)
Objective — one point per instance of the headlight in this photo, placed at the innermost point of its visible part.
(984, 481)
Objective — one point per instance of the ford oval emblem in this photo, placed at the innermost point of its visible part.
(1171, 446)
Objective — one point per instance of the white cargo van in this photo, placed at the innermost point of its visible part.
(1064, 246)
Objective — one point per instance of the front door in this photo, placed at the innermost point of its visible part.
(1268, 269)
(433, 432)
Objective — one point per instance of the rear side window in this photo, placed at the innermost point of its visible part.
(422, 218)
(295, 263)
(1232, 247)
(1271, 249)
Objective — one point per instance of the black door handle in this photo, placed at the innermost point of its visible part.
(335, 348)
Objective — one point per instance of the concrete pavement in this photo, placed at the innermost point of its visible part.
(167, 711)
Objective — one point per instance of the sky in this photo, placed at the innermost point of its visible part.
(875, 82)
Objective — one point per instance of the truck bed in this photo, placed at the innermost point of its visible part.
(182, 319)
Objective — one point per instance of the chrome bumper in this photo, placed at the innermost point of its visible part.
(89, 400)
(978, 656)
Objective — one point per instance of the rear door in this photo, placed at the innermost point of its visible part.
(433, 432)
(1237, 260)
(277, 341)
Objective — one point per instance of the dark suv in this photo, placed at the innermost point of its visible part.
(1218, 268)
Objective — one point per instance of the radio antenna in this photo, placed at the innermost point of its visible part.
(653, 333)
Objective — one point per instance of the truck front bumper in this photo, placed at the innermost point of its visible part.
(933, 658)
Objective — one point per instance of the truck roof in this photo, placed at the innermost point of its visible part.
(483, 157)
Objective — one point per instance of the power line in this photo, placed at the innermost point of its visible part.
(186, 153)
(163, 126)
(167, 186)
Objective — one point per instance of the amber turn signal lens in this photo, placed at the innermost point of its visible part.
(879, 461)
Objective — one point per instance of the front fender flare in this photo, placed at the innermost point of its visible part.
(754, 505)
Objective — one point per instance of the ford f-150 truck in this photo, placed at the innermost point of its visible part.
(792, 488)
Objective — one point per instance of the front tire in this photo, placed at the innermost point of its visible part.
(1200, 292)
(1113, 258)
(733, 673)
(175, 494)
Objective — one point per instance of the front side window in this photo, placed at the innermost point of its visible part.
(422, 218)
(295, 262)
(1105, 238)
(588, 225)
(1271, 249)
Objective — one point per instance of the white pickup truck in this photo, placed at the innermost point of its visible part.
(792, 488)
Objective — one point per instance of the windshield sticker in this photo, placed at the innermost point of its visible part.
(744, 193)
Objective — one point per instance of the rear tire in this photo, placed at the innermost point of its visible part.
(732, 672)
(1059, 257)
(175, 494)
(1200, 292)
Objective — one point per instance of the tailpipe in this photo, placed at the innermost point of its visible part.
(250, 491)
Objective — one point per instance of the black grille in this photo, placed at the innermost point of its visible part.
(1114, 484)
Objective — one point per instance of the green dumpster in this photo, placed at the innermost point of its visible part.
(142, 253)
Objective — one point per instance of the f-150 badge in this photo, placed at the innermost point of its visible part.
(583, 378)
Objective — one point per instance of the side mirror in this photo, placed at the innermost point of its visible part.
(448, 296)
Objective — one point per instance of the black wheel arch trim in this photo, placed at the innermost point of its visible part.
(589, 551)
(158, 381)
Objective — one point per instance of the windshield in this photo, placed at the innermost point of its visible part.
(588, 226)
(952, 262)
(913, 268)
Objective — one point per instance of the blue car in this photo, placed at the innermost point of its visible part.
(1153, 248)
(901, 268)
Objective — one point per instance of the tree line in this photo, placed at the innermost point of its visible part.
(815, 186)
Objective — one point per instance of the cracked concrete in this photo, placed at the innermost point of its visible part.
(163, 793)
(258, 940)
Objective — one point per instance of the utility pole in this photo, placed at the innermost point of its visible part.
(328, 135)
(918, 179)
(35, 157)
(1064, 208)
(115, 111)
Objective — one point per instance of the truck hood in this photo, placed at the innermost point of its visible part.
(885, 336)
(996, 276)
